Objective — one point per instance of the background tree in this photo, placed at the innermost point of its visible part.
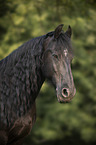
(22, 20)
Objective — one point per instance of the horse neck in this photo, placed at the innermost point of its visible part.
(30, 76)
(22, 79)
(30, 71)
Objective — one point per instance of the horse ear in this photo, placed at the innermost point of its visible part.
(58, 30)
(69, 31)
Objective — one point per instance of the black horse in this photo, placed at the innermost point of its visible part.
(22, 74)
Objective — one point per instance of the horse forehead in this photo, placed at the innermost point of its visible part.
(63, 52)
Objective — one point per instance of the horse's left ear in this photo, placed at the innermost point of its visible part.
(58, 31)
(69, 32)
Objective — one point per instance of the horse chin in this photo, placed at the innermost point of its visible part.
(61, 100)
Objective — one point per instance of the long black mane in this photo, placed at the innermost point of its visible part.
(20, 80)
(33, 47)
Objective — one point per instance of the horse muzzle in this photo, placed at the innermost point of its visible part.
(65, 95)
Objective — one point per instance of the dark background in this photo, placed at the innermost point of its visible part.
(21, 20)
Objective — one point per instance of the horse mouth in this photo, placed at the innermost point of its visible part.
(63, 100)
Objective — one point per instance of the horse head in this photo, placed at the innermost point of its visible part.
(57, 58)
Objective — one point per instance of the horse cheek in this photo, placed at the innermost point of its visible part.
(47, 70)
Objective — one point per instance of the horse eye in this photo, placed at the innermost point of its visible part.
(55, 56)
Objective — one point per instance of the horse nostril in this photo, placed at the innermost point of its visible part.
(65, 92)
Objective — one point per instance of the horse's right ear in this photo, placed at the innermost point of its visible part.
(58, 31)
(69, 32)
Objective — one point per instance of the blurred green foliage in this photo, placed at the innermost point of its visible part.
(21, 20)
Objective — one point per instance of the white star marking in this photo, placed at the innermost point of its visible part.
(65, 52)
